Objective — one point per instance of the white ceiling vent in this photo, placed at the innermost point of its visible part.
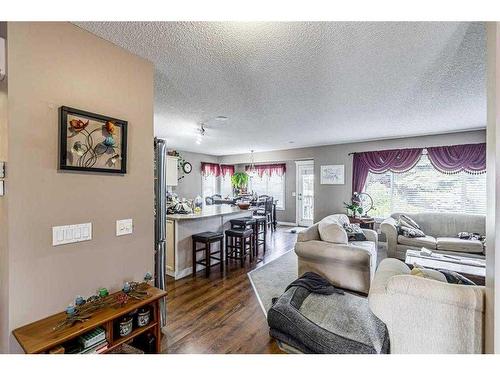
(3, 69)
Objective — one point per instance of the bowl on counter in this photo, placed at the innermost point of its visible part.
(243, 205)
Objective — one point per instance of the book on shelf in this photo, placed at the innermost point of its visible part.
(97, 348)
(91, 338)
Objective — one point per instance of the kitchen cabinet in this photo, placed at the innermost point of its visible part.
(172, 171)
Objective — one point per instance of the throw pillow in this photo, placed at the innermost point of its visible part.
(471, 236)
(456, 278)
(332, 232)
(407, 221)
(354, 232)
(408, 227)
(427, 273)
(410, 232)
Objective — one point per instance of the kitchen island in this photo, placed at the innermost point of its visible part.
(180, 228)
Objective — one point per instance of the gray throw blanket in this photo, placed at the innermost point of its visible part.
(315, 284)
(334, 324)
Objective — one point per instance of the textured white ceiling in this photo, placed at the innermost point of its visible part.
(308, 83)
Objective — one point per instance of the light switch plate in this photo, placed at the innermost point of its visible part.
(124, 226)
(2, 188)
(65, 234)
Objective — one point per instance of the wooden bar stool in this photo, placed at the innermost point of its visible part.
(207, 239)
(260, 235)
(242, 223)
(239, 244)
(246, 223)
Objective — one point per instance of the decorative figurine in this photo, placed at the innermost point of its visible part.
(70, 310)
(126, 287)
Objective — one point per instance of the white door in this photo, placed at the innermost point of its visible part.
(305, 192)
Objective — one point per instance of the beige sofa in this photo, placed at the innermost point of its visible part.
(425, 316)
(350, 266)
(441, 231)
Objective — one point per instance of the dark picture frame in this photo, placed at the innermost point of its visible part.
(91, 142)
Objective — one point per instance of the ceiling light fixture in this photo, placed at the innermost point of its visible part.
(251, 168)
(200, 133)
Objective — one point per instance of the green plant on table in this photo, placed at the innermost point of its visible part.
(239, 180)
(353, 209)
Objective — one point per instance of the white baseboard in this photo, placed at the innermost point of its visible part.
(287, 223)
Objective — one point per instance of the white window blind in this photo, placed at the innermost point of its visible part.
(424, 189)
(209, 185)
(274, 186)
(226, 189)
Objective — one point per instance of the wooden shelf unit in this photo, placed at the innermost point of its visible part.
(40, 337)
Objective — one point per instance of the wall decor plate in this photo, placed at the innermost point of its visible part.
(332, 175)
(91, 142)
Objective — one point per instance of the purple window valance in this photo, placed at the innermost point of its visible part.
(226, 169)
(470, 158)
(269, 169)
(208, 169)
(401, 160)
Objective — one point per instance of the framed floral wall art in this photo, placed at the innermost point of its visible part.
(91, 142)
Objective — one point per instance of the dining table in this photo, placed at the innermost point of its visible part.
(253, 203)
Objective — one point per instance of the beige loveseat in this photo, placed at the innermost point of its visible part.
(350, 266)
(441, 231)
(425, 316)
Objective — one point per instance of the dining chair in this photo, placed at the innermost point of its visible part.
(265, 203)
(269, 212)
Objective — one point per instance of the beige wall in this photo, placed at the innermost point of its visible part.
(329, 198)
(4, 271)
(55, 64)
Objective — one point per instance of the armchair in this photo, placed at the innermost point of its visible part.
(350, 266)
(427, 316)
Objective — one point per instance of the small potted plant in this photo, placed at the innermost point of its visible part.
(239, 180)
(353, 209)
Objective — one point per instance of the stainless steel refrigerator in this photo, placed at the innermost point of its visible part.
(160, 221)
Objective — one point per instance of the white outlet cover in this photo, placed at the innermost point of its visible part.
(124, 226)
(65, 234)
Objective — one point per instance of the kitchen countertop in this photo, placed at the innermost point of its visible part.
(209, 211)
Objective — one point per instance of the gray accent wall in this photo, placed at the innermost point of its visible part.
(329, 198)
(190, 186)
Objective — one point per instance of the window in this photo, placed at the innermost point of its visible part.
(209, 185)
(423, 188)
(226, 188)
(274, 186)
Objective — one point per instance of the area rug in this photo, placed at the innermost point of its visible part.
(271, 279)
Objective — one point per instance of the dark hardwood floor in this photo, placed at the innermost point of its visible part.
(221, 314)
